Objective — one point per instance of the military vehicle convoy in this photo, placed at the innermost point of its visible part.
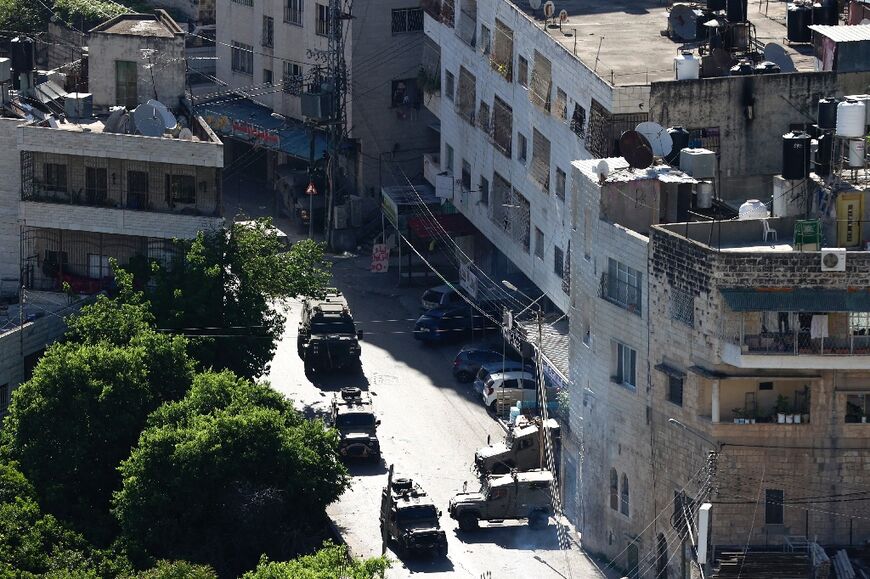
(409, 518)
(328, 338)
(353, 416)
(512, 496)
(522, 449)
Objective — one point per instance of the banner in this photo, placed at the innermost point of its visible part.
(380, 258)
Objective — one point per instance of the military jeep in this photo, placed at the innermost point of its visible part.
(353, 417)
(523, 495)
(409, 518)
(328, 338)
(522, 449)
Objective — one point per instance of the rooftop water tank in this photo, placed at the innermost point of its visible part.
(688, 67)
(851, 119)
(699, 163)
(799, 16)
(736, 10)
(752, 209)
(864, 98)
(828, 113)
(680, 140)
(704, 195)
(856, 154)
(742, 68)
(825, 13)
(824, 155)
(795, 155)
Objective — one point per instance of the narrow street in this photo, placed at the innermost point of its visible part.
(431, 426)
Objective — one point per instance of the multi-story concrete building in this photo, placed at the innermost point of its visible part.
(274, 51)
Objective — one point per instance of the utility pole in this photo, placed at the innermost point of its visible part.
(337, 75)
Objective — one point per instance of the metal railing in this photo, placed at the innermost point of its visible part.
(621, 293)
(791, 339)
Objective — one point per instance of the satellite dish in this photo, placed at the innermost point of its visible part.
(636, 149)
(148, 121)
(777, 55)
(657, 136)
(185, 135)
(549, 8)
(602, 169)
(112, 123)
(169, 120)
(563, 16)
(535, 4)
(124, 124)
(683, 22)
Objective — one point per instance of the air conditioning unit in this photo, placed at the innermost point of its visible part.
(833, 259)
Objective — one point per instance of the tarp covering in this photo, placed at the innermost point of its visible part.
(797, 300)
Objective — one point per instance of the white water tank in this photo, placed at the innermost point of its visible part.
(752, 209)
(688, 67)
(704, 194)
(856, 153)
(864, 98)
(851, 119)
(699, 163)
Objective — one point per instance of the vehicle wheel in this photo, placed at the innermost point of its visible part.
(464, 377)
(468, 522)
(538, 520)
(493, 406)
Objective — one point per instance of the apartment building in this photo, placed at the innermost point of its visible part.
(274, 51)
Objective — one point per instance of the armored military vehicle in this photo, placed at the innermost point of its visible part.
(522, 449)
(354, 418)
(409, 518)
(328, 338)
(516, 495)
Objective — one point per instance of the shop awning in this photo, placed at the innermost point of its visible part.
(243, 119)
(797, 300)
(455, 224)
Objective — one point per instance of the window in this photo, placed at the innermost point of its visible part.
(523, 71)
(558, 261)
(137, 190)
(242, 58)
(244, 2)
(773, 506)
(268, 31)
(407, 20)
(675, 390)
(539, 243)
(267, 76)
(466, 97)
(291, 78)
(322, 24)
(484, 118)
(466, 27)
(614, 489)
(448, 158)
(55, 177)
(541, 85)
(484, 191)
(405, 93)
(502, 126)
(623, 496)
(540, 169)
(857, 408)
(502, 60)
(98, 266)
(561, 108)
(560, 183)
(485, 40)
(126, 89)
(626, 363)
(96, 185)
(449, 84)
(578, 121)
(622, 286)
(466, 176)
(682, 307)
(180, 189)
(4, 397)
(522, 148)
(293, 11)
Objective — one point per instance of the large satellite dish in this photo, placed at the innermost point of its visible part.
(169, 119)
(148, 121)
(535, 4)
(777, 55)
(657, 136)
(636, 149)
(113, 123)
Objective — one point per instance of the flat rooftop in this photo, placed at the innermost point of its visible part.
(157, 25)
(623, 40)
(97, 124)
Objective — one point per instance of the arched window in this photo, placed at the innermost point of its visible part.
(614, 490)
(623, 503)
(662, 558)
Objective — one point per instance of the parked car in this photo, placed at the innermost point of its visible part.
(442, 296)
(470, 358)
(504, 389)
(445, 324)
(498, 366)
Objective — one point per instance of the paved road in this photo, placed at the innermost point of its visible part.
(431, 426)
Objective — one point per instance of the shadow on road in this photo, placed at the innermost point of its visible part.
(333, 381)
(366, 467)
(430, 564)
(513, 537)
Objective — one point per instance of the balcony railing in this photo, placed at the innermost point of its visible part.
(440, 10)
(791, 338)
(621, 293)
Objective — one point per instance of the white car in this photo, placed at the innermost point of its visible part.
(510, 387)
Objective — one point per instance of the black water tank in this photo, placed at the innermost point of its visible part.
(828, 113)
(735, 10)
(825, 13)
(795, 155)
(22, 54)
(716, 5)
(680, 139)
(798, 21)
(824, 154)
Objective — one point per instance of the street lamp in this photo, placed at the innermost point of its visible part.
(514, 288)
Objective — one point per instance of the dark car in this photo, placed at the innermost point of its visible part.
(468, 361)
(442, 296)
(445, 324)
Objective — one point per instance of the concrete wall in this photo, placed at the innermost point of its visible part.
(10, 193)
(166, 67)
(750, 149)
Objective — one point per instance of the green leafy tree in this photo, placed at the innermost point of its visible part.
(229, 282)
(328, 563)
(23, 16)
(176, 570)
(226, 474)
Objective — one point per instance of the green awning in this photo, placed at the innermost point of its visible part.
(797, 300)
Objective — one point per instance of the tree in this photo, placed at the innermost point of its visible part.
(227, 282)
(226, 474)
(329, 562)
(176, 570)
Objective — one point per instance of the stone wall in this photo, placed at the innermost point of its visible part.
(10, 192)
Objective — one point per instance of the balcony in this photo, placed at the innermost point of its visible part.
(621, 293)
(440, 10)
(431, 167)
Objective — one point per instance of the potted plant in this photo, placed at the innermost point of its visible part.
(781, 408)
(738, 415)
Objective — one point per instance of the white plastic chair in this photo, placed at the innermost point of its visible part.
(768, 231)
